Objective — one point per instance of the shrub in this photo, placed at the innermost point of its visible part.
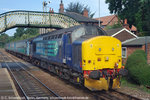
(138, 69)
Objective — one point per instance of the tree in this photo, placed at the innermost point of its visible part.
(79, 8)
(136, 11)
(4, 38)
(143, 17)
(32, 31)
(19, 32)
(25, 33)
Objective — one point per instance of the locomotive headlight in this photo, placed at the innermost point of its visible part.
(84, 61)
(98, 59)
(89, 61)
(113, 49)
(106, 58)
(99, 49)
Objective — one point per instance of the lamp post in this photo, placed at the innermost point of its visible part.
(99, 14)
(45, 5)
(45, 10)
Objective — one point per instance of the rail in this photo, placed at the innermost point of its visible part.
(22, 88)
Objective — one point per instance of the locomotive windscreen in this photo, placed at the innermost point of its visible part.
(94, 30)
(87, 30)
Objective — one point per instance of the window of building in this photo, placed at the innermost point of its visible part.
(124, 52)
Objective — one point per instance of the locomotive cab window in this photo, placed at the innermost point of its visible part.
(78, 33)
(93, 30)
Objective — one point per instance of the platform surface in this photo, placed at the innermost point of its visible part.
(7, 87)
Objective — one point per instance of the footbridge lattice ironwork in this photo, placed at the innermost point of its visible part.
(13, 19)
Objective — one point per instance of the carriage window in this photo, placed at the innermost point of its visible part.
(49, 37)
(60, 35)
(46, 38)
(55, 37)
(52, 37)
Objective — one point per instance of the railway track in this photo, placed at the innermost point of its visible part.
(113, 95)
(107, 95)
(31, 87)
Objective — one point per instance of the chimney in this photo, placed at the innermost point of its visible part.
(61, 9)
(125, 22)
(50, 10)
(85, 12)
(126, 25)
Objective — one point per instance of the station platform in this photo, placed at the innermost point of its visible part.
(7, 88)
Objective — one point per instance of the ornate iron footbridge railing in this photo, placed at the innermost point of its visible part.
(13, 19)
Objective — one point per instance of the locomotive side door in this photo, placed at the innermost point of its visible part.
(68, 49)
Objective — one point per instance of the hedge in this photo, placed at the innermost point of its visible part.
(138, 69)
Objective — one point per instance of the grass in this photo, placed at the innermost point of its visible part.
(133, 86)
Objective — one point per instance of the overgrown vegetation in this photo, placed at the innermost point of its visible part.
(20, 34)
(79, 8)
(118, 25)
(138, 69)
(136, 11)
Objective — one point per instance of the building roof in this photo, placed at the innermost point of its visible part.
(106, 19)
(124, 29)
(137, 41)
(111, 32)
(80, 18)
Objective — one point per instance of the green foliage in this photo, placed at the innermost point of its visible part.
(118, 25)
(132, 86)
(79, 8)
(22, 33)
(138, 69)
(136, 11)
(19, 32)
(4, 38)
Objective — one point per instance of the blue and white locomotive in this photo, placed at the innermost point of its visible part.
(72, 54)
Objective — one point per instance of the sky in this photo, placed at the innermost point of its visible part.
(36, 5)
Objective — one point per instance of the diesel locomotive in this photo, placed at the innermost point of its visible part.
(82, 54)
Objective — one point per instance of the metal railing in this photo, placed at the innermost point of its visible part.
(13, 19)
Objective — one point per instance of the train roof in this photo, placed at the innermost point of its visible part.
(65, 30)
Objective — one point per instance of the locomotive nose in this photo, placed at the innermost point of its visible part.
(101, 53)
(101, 62)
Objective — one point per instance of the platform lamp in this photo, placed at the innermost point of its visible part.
(45, 10)
(45, 5)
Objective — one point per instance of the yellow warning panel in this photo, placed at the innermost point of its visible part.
(95, 85)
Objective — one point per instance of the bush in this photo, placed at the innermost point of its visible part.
(138, 69)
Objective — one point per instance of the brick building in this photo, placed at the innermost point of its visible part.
(109, 20)
(131, 45)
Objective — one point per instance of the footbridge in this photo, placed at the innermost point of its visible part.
(35, 19)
